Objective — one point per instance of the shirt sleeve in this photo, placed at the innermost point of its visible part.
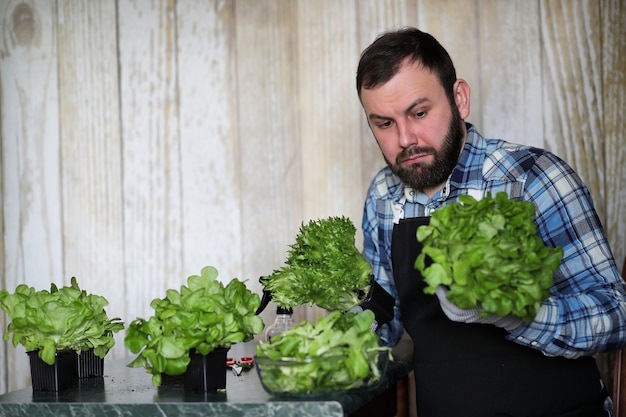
(586, 311)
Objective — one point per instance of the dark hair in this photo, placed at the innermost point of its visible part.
(381, 61)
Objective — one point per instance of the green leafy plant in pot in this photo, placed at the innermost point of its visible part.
(59, 320)
(64, 318)
(204, 316)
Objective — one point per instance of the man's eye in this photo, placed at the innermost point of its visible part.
(384, 125)
(420, 114)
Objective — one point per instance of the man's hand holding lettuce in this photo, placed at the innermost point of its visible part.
(485, 257)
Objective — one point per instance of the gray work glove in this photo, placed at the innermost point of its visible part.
(470, 315)
(359, 309)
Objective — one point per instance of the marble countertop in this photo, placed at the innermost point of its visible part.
(127, 391)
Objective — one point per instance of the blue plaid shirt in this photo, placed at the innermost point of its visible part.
(586, 312)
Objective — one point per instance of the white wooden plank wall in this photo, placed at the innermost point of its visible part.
(90, 171)
(143, 140)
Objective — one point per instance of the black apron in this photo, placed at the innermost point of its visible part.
(466, 370)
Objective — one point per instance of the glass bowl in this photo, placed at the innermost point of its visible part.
(320, 375)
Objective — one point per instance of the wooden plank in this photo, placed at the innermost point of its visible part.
(32, 248)
(571, 33)
(455, 24)
(271, 175)
(613, 20)
(375, 17)
(151, 153)
(91, 148)
(271, 161)
(331, 149)
(510, 66)
(210, 161)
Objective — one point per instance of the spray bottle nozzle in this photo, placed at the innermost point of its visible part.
(284, 310)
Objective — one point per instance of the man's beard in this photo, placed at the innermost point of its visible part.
(420, 176)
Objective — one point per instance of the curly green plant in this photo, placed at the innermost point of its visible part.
(323, 268)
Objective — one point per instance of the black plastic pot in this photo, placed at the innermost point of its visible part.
(206, 373)
(88, 365)
(56, 377)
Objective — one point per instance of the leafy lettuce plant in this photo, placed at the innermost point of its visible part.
(340, 352)
(323, 268)
(489, 253)
(59, 319)
(202, 316)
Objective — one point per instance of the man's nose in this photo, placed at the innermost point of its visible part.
(406, 135)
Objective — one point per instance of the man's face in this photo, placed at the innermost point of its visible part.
(419, 133)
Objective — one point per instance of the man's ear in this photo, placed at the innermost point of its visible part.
(462, 97)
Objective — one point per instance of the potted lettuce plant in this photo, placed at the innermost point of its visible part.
(197, 323)
(57, 325)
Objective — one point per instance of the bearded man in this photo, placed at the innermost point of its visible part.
(466, 364)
